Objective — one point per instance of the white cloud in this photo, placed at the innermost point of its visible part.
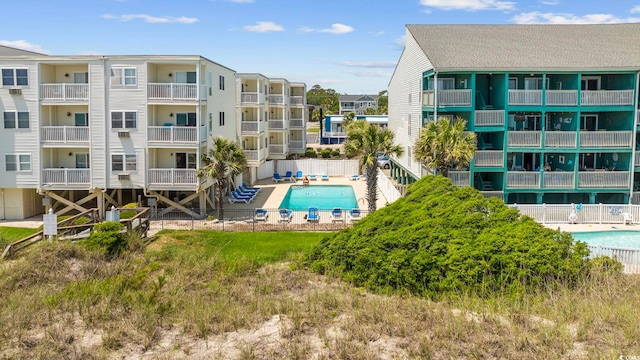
(635, 9)
(264, 26)
(470, 5)
(554, 2)
(241, 1)
(370, 73)
(400, 42)
(338, 29)
(24, 45)
(537, 17)
(380, 64)
(151, 19)
(305, 29)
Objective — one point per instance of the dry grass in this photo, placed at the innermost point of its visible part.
(61, 301)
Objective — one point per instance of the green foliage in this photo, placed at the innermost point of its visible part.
(325, 153)
(108, 238)
(310, 153)
(11, 234)
(440, 239)
(327, 98)
(335, 153)
(128, 214)
(605, 265)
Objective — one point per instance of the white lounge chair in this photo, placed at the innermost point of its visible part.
(261, 215)
(325, 177)
(336, 215)
(285, 215)
(354, 215)
(628, 218)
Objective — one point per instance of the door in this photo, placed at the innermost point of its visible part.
(590, 83)
(186, 77)
(81, 119)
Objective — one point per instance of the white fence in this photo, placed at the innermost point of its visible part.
(589, 213)
(310, 166)
(387, 188)
(630, 258)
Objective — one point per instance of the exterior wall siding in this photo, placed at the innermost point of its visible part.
(98, 125)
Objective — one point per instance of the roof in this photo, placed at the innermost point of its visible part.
(529, 47)
(343, 98)
(10, 51)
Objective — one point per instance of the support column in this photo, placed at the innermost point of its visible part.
(202, 202)
(539, 198)
(100, 201)
(592, 198)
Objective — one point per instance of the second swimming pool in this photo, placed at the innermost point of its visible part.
(324, 197)
(616, 238)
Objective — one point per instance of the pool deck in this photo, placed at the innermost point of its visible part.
(592, 227)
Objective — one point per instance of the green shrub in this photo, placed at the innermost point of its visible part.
(605, 265)
(108, 238)
(310, 153)
(325, 153)
(128, 214)
(440, 239)
(335, 153)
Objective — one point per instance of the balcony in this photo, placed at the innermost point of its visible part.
(64, 134)
(488, 158)
(603, 179)
(278, 99)
(296, 145)
(278, 149)
(525, 97)
(559, 179)
(173, 177)
(296, 123)
(174, 92)
(255, 155)
(606, 97)
(277, 125)
(334, 134)
(562, 97)
(66, 176)
(490, 194)
(489, 118)
(459, 97)
(460, 178)
(252, 98)
(296, 100)
(598, 139)
(637, 159)
(523, 180)
(252, 127)
(64, 92)
(560, 139)
(172, 135)
(524, 138)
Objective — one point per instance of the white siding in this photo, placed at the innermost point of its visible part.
(407, 79)
(97, 123)
(223, 101)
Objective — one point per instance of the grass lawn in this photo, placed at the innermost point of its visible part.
(313, 130)
(11, 234)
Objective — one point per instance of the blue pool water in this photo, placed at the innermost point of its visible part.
(622, 238)
(324, 197)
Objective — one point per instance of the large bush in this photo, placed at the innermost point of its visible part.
(442, 239)
(108, 237)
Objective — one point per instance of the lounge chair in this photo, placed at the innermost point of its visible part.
(246, 188)
(276, 177)
(261, 215)
(238, 198)
(354, 215)
(313, 215)
(355, 177)
(325, 177)
(336, 215)
(313, 177)
(242, 192)
(289, 176)
(285, 215)
(628, 218)
(298, 174)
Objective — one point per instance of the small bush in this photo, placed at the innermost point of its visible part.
(325, 153)
(128, 214)
(605, 265)
(108, 238)
(335, 153)
(310, 153)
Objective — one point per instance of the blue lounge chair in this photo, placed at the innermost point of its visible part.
(313, 214)
(250, 189)
(243, 193)
(261, 215)
(313, 177)
(298, 174)
(276, 177)
(289, 176)
(325, 177)
(355, 177)
(235, 197)
(285, 215)
(354, 215)
(336, 215)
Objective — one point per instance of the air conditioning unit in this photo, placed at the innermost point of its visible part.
(124, 177)
(123, 133)
(15, 91)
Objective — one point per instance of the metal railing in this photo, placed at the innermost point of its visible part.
(252, 98)
(562, 97)
(64, 134)
(277, 124)
(172, 91)
(488, 158)
(296, 144)
(296, 123)
(524, 138)
(172, 177)
(173, 134)
(64, 92)
(277, 99)
(252, 127)
(603, 179)
(296, 100)
(525, 97)
(606, 138)
(565, 139)
(66, 176)
(457, 97)
(523, 179)
(278, 149)
(559, 179)
(255, 155)
(489, 118)
(606, 97)
(460, 178)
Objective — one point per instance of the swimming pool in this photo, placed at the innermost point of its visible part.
(616, 238)
(324, 197)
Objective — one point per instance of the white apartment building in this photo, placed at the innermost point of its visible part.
(98, 131)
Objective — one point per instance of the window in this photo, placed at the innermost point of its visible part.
(443, 84)
(15, 77)
(186, 77)
(513, 83)
(81, 119)
(409, 154)
(221, 79)
(185, 160)
(82, 160)
(121, 162)
(590, 83)
(123, 77)
(186, 119)
(80, 77)
(10, 118)
(221, 118)
(409, 124)
(17, 162)
(129, 118)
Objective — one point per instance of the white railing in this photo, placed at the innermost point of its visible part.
(387, 189)
(64, 134)
(297, 144)
(296, 123)
(296, 100)
(252, 98)
(173, 134)
(460, 97)
(525, 97)
(172, 177)
(252, 127)
(605, 138)
(460, 178)
(278, 149)
(329, 134)
(255, 155)
(523, 179)
(277, 124)
(66, 176)
(560, 139)
(172, 91)
(603, 179)
(637, 159)
(490, 194)
(428, 98)
(64, 92)
(559, 179)
(278, 99)
(489, 118)
(606, 97)
(562, 97)
(488, 158)
(628, 257)
(524, 138)
(317, 166)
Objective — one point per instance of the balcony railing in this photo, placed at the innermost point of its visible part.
(593, 139)
(252, 98)
(296, 123)
(524, 139)
(523, 180)
(489, 118)
(459, 97)
(525, 97)
(562, 97)
(329, 134)
(566, 139)
(490, 194)
(64, 134)
(66, 176)
(172, 91)
(255, 155)
(172, 177)
(64, 92)
(637, 159)
(603, 179)
(460, 178)
(559, 179)
(277, 125)
(252, 127)
(277, 99)
(606, 97)
(488, 158)
(296, 144)
(296, 100)
(278, 149)
(173, 134)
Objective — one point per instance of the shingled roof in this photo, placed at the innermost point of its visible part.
(10, 51)
(529, 47)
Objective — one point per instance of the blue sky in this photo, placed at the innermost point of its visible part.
(350, 45)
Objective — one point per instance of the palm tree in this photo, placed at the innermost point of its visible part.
(369, 141)
(225, 159)
(443, 146)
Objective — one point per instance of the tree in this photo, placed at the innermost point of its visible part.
(347, 119)
(443, 146)
(327, 98)
(383, 102)
(225, 159)
(369, 141)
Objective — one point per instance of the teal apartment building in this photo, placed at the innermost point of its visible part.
(555, 107)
